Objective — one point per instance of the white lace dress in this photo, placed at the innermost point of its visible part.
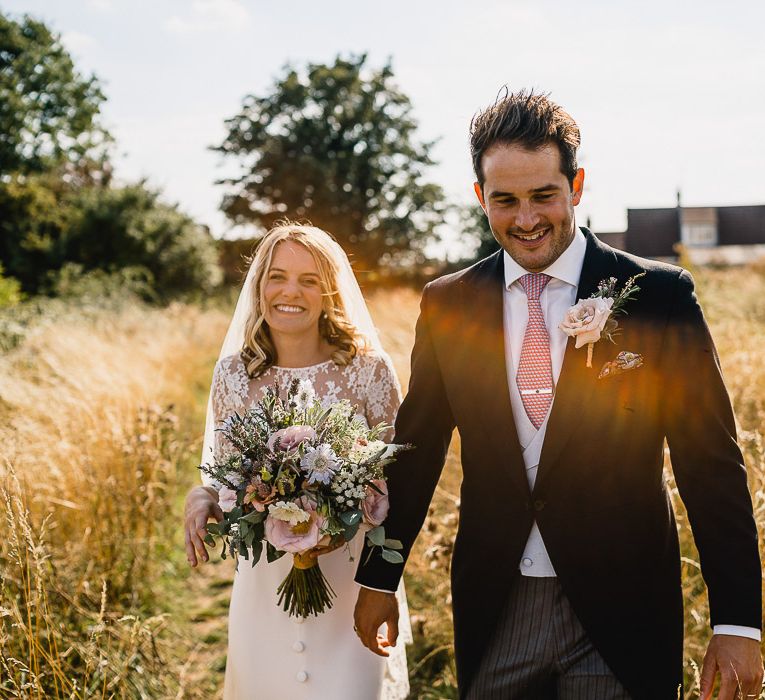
(271, 655)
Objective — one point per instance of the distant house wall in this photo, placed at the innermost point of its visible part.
(652, 233)
(741, 225)
(655, 233)
(616, 239)
(698, 226)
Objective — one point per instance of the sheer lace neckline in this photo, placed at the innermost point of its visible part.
(317, 364)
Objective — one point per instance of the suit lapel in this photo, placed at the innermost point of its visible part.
(489, 378)
(576, 381)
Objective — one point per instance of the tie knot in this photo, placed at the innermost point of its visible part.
(533, 284)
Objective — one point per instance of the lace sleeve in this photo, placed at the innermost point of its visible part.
(217, 397)
(383, 394)
(227, 392)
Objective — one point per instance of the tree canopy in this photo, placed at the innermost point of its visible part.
(49, 225)
(475, 226)
(48, 111)
(335, 144)
(63, 226)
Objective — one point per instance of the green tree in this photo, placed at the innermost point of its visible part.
(34, 219)
(10, 290)
(130, 229)
(48, 111)
(475, 227)
(53, 231)
(335, 144)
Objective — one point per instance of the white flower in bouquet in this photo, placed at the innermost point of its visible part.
(305, 395)
(320, 464)
(363, 451)
(289, 512)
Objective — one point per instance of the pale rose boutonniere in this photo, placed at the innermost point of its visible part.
(590, 319)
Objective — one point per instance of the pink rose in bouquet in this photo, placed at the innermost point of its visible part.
(226, 499)
(290, 438)
(293, 526)
(375, 505)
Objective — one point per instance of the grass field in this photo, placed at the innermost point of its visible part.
(100, 425)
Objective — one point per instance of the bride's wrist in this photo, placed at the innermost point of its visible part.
(212, 492)
(202, 493)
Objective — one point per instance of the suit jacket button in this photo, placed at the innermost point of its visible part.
(539, 505)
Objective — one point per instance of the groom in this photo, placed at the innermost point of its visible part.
(566, 567)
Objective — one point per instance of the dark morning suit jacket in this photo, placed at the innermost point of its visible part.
(600, 498)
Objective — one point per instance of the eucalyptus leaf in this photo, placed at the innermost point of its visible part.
(257, 550)
(272, 554)
(394, 544)
(377, 536)
(209, 540)
(351, 517)
(350, 531)
(235, 513)
(253, 518)
(392, 557)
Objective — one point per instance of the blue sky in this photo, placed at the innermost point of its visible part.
(667, 94)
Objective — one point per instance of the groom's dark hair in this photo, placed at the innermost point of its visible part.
(524, 119)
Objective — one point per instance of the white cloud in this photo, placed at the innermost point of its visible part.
(210, 15)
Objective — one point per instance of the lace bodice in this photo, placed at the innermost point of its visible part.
(368, 382)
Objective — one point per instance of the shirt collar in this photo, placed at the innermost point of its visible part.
(566, 268)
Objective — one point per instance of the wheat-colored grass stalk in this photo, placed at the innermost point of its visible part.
(95, 421)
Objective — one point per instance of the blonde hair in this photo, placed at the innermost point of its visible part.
(259, 352)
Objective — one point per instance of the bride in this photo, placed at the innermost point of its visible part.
(300, 315)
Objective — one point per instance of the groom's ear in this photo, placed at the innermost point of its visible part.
(577, 187)
(479, 193)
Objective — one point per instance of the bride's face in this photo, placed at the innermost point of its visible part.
(292, 290)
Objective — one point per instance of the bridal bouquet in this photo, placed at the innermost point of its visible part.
(297, 476)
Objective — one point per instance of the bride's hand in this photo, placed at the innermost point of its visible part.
(201, 505)
(316, 552)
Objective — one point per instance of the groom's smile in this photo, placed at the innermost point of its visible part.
(529, 202)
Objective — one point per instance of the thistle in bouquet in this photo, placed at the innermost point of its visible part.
(299, 476)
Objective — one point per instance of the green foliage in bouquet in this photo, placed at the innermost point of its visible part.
(296, 476)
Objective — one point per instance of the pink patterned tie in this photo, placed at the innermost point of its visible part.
(534, 376)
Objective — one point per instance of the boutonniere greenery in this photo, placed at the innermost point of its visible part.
(589, 320)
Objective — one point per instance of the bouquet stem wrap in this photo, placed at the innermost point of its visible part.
(305, 591)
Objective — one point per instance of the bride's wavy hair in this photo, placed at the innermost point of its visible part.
(259, 352)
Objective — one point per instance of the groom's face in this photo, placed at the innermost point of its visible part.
(529, 203)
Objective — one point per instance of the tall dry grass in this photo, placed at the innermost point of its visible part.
(99, 424)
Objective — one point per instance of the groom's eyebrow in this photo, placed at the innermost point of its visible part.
(544, 188)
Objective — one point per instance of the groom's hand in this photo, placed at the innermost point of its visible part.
(372, 609)
(738, 661)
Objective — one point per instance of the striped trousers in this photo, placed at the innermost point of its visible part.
(540, 651)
